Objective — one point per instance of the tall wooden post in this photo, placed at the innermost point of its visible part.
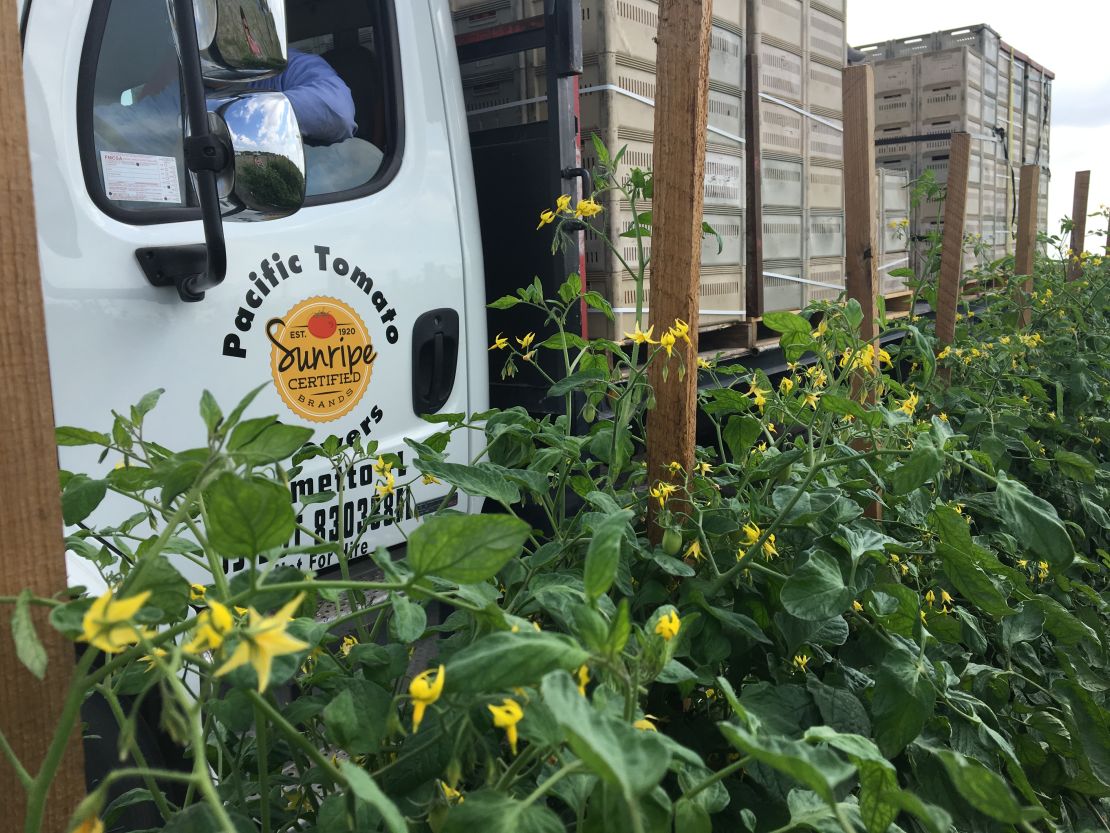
(1026, 238)
(860, 198)
(30, 508)
(1079, 220)
(681, 118)
(952, 246)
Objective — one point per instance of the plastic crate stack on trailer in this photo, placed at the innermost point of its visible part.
(929, 86)
(893, 190)
(801, 47)
(617, 92)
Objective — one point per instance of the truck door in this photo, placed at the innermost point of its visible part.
(352, 312)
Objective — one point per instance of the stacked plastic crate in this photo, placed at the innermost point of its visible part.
(962, 80)
(617, 93)
(893, 190)
(801, 47)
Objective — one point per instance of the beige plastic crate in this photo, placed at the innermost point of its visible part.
(941, 127)
(834, 7)
(990, 79)
(780, 73)
(937, 162)
(826, 36)
(973, 203)
(494, 100)
(982, 39)
(825, 88)
(826, 188)
(467, 17)
(781, 129)
(899, 166)
(779, 292)
(782, 234)
(823, 142)
(894, 76)
(949, 66)
(782, 183)
(952, 101)
(824, 234)
(990, 112)
(780, 21)
(894, 110)
(895, 150)
(829, 272)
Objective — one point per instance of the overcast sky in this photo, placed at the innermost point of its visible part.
(1069, 37)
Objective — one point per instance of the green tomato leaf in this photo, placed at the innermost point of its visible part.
(604, 553)
(466, 549)
(28, 646)
(1033, 521)
(505, 660)
(816, 590)
(368, 792)
(256, 442)
(247, 516)
(409, 619)
(80, 498)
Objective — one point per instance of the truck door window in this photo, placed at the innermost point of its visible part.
(343, 79)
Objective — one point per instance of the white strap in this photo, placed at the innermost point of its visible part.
(797, 109)
(802, 280)
(632, 310)
(894, 265)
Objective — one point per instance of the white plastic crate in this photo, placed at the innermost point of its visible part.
(990, 112)
(949, 66)
(894, 109)
(824, 235)
(972, 204)
(781, 183)
(990, 79)
(894, 76)
(833, 7)
(953, 101)
(780, 129)
(982, 39)
(889, 284)
(826, 279)
(826, 37)
(782, 235)
(901, 168)
(894, 232)
(910, 46)
(825, 88)
(781, 21)
(724, 167)
(823, 142)
(781, 293)
(493, 100)
(894, 189)
(721, 296)
(826, 188)
(780, 73)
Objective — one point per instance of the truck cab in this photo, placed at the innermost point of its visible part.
(358, 314)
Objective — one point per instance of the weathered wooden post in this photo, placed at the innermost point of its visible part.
(951, 255)
(681, 118)
(1079, 220)
(30, 509)
(1026, 244)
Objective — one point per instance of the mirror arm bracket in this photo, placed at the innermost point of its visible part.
(194, 269)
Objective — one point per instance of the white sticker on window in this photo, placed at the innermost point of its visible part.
(139, 177)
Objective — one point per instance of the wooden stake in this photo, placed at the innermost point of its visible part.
(860, 197)
(861, 244)
(30, 507)
(754, 195)
(1026, 238)
(952, 247)
(1079, 219)
(681, 118)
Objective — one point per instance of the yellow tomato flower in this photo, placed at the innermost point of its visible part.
(811, 399)
(801, 661)
(786, 384)
(644, 725)
(196, 592)
(212, 625)
(703, 364)
(662, 491)
(909, 404)
(761, 447)
(107, 623)
(945, 598)
(693, 552)
(385, 487)
(262, 640)
(930, 597)
(587, 208)
(430, 480)
(349, 642)
(857, 607)
(452, 795)
(703, 468)
(942, 416)
(90, 825)
(546, 217)
(424, 691)
(666, 341)
(642, 336)
(526, 342)
(499, 342)
(507, 715)
(382, 466)
(753, 533)
(668, 625)
(674, 467)
(562, 204)
(583, 679)
(680, 329)
(1042, 570)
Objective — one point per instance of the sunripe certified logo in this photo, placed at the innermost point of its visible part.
(321, 358)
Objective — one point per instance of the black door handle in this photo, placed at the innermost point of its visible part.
(435, 356)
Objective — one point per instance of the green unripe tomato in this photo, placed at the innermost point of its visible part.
(589, 412)
(672, 541)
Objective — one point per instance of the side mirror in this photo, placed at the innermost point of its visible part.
(240, 40)
(265, 179)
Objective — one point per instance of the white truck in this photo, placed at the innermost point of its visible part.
(347, 277)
